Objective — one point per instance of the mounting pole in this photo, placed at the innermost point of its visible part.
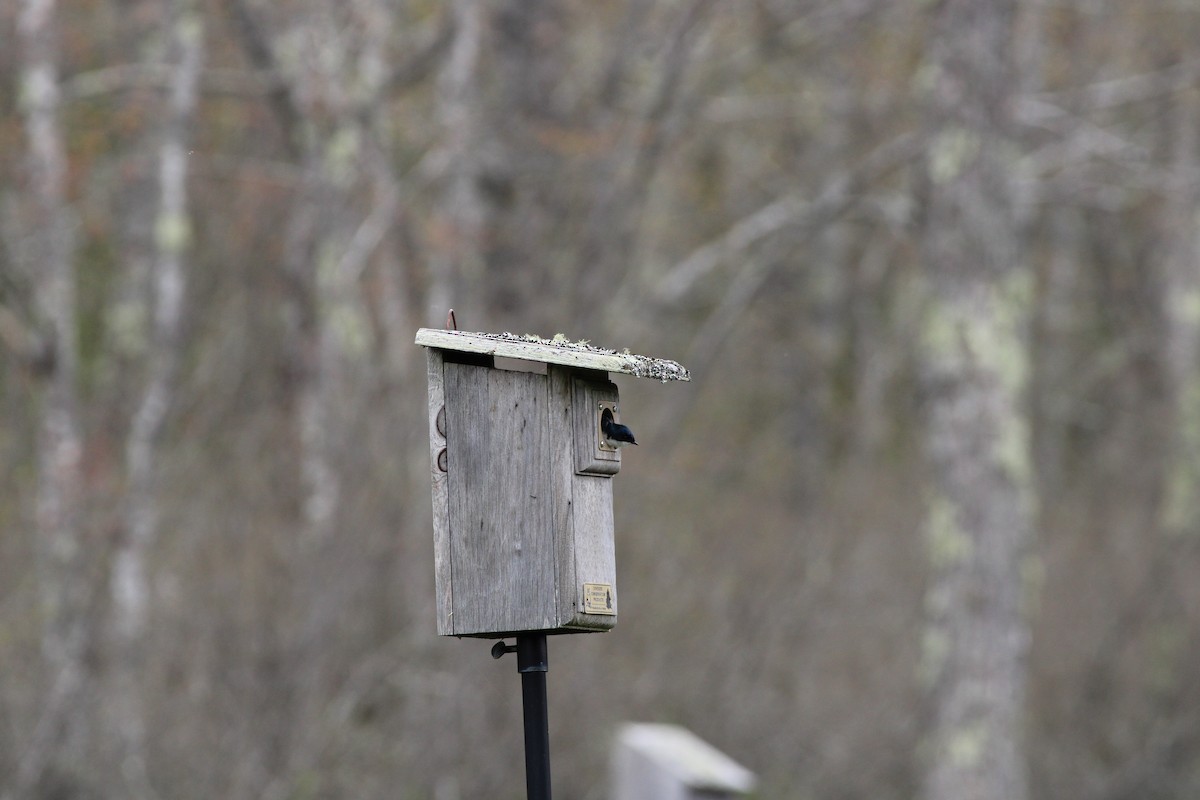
(532, 664)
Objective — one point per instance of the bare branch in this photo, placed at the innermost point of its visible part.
(789, 212)
(422, 63)
(130, 573)
(60, 439)
(127, 77)
(281, 98)
(1129, 89)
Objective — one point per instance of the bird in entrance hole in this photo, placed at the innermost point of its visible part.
(615, 434)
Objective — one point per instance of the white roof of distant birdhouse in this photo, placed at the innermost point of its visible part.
(692, 761)
(559, 350)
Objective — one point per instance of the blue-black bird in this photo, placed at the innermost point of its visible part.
(615, 434)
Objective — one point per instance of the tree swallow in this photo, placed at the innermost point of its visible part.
(615, 434)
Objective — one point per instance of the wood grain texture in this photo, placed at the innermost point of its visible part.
(502, 544)
(560, 421)
(583, 530)
(443, 571)
(594, 551)
(517, 531)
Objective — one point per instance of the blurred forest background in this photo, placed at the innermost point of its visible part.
(222, 222)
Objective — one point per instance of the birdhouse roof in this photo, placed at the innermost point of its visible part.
(559, 350)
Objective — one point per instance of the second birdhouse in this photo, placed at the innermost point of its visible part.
(522, 463)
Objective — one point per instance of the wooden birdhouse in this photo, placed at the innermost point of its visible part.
(522, 480)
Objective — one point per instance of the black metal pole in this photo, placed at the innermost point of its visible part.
(532, 663)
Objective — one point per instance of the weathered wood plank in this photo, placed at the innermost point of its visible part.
(468, 462)
(560, 420)
(594, 551)
(553, 351)
(443, 586)
(521, 450)
(499, 503)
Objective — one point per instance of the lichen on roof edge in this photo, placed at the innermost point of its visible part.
(560, 350)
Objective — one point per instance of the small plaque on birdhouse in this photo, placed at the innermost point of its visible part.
(598, 599)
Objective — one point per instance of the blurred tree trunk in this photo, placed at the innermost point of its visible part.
(130, 582)
(495, 87)
(974, 363)
(339, 221)
(1180, 286)
(608, 242)
(457, 231)
(60, 568)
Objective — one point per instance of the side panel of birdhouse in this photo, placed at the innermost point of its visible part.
(438, 462)
(583, 520)
(499, 501)
(595, 590)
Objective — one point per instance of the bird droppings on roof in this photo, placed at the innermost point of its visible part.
(647, 367)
